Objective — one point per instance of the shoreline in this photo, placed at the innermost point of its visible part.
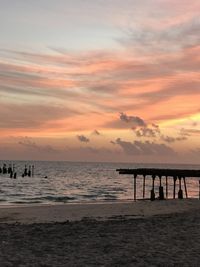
(48, 213)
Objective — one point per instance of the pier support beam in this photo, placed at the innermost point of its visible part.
(185, 187)
(174, 193)
(152, 197)
(180, 192)
(161, 192)
(166, 185)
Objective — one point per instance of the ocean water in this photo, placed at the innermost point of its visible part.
(69, 182)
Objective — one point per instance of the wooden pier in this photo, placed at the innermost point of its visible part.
(176, 174)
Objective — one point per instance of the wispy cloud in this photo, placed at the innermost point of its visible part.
(31, 145)
(147, 131)
(170, 139)
(144, 62)
(83, 138)
(31, 115)
(134, 120)
(169, 39)
(144, 148)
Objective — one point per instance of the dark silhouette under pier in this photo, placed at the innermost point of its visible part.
(176, 174)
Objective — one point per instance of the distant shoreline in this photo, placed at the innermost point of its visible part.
(103, 162)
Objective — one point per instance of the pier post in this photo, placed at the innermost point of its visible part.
(144, 179)
(4, 168)
(11, 174)
(9, 169)
(180, 192)
(161, 193)
(166, 184)
(32, 172)
(174, 193)
(185, 187)
(152, 190)
(13, 168)
(29, 171)
(25, 171)
(135, 176)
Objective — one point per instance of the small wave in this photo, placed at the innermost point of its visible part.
(118, 189)
(59, 198)
(91, 196)
(49, 199)
(110, 197)
(2, 200)
(25, 202)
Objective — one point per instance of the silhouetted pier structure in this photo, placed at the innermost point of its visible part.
(176, 174)
(28, 171)
(11, 170)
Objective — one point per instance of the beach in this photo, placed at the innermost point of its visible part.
(142, 233)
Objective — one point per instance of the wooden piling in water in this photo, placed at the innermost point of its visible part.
(186, 195)
(174, 191)
(180, 192)
(161, 192)
(152, 190)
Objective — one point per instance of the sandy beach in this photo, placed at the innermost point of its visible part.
(160, 233)
(28, 214)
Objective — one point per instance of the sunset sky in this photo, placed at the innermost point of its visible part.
(100, 80)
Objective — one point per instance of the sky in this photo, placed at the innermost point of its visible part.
(100, 80)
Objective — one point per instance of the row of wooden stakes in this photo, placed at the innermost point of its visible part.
(11, 170)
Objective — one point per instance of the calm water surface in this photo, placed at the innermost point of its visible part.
(79, 182)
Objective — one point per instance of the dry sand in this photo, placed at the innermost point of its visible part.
(160, 233)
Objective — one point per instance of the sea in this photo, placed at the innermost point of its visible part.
(81, 182)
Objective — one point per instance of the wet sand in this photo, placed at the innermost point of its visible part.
(99, 211)
(162, 234)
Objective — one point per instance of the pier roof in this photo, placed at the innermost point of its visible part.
(161, 172)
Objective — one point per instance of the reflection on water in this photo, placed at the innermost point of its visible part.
(80, 182)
